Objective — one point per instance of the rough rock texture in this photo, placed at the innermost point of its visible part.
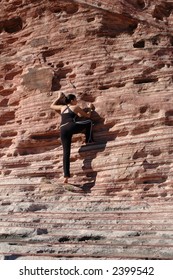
(118, 55)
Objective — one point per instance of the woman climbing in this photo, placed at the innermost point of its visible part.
(69, 110)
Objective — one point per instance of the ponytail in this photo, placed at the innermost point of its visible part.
(61, 99)
(69, 98)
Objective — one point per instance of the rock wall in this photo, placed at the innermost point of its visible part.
(116, 54)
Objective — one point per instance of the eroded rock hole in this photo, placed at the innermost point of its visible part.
(64, 239)
(58, 75)
(141, 129)
(12, 257)
(171, 41)
(71, 8)
(13, 25)
(139, 45)
(43, 137)
(155, 40)
(93, 65)
(110, 69)
(90, 19)
(149, 165)
(41, 231)
(5, 143)
(140, 154)
(6, 92)
(112, 26)
(156, 152)
(4, 102)
(155, 179)
(11, 75)
(9, 66)
(143, 109)
(169, 118)
(1, 27)
(141, 4)
(7, 117)
(50, 52)
(104, 87)
(145, 80)
(68, 8)
(60, 64)
(162, 10)
(88, 238)
(119, 85)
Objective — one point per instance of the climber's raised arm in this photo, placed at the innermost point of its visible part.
(56, 107)
(58, 103)
(81, 113)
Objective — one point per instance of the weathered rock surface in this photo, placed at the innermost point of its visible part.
(118, 55)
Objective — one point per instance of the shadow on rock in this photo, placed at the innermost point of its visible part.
(88, 153)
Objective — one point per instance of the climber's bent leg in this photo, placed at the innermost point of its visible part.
(87, 126)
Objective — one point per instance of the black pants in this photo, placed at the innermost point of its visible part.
(67, 132)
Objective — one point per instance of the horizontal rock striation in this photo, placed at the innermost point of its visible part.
(116, 54)
(45, 221)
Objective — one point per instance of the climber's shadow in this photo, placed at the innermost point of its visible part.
(88, 153)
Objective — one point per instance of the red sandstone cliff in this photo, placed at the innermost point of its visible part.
(116, 54)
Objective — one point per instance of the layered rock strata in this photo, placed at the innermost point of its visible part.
(45, 221)
(116, 54)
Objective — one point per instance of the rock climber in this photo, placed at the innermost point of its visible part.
(67, 107)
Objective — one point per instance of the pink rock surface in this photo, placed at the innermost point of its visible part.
(116, 54)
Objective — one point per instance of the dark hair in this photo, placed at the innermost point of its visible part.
(69, 98)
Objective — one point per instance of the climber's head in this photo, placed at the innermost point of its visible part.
(71, 99)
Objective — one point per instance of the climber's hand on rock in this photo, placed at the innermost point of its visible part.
(91, 106)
